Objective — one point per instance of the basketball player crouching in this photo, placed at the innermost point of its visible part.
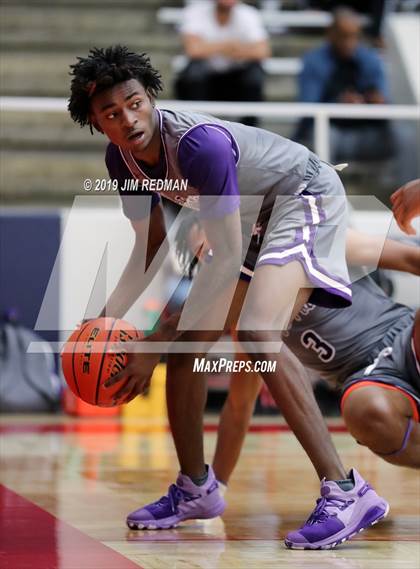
(229, 167)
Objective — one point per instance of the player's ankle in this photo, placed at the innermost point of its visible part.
(333, 474)
(201, 479)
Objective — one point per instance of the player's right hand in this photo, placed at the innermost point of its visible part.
(136, 376)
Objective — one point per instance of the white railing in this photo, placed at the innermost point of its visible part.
(321, 113)
(274, 20)
(271, 65)
(271, 18)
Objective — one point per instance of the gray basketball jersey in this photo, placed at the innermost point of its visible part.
(267, 164)
(308, 222)
(337, 343)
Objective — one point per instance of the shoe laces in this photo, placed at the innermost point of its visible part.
(174, 496)
(326, 507)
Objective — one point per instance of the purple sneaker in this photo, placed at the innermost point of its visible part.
(339, 515)
(184, 501)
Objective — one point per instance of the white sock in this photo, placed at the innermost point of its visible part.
(222, 488)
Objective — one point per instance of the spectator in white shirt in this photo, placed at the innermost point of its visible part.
(225, 42)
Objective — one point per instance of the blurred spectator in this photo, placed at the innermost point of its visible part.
(373, 9)
(344, 71)
(225, 42)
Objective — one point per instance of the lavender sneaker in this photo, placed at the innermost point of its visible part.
(184, 501)
(339, 515)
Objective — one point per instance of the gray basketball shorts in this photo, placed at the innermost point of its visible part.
(309, 227)
(396, 365)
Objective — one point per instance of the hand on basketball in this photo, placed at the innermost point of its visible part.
(136, 375)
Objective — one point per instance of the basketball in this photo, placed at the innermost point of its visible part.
(87, 363)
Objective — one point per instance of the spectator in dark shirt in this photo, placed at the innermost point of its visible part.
(345, 71)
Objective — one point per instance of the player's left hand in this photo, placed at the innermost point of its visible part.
(406, 205)
(136, 376)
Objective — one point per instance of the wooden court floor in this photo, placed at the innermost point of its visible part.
(67, 484)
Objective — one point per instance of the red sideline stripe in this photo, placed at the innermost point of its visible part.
(31, 538)
(276, 428)
(104, 428)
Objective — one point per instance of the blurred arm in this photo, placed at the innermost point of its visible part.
(134, 278)
(197, 48)
(375, 251)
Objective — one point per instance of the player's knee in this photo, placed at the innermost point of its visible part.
(379, 417)
(249, 339)
(247, 336)
(353, 417)
(253, 341)
(369, 418)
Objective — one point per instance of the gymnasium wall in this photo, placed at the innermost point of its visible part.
(54, 271)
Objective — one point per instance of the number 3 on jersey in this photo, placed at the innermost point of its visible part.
(313, 341)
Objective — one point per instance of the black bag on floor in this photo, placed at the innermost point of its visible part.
(28, 382)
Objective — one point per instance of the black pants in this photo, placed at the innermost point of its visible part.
(199, 82)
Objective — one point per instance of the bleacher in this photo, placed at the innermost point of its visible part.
(274, 20)
(40, 39)
(41, 152)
